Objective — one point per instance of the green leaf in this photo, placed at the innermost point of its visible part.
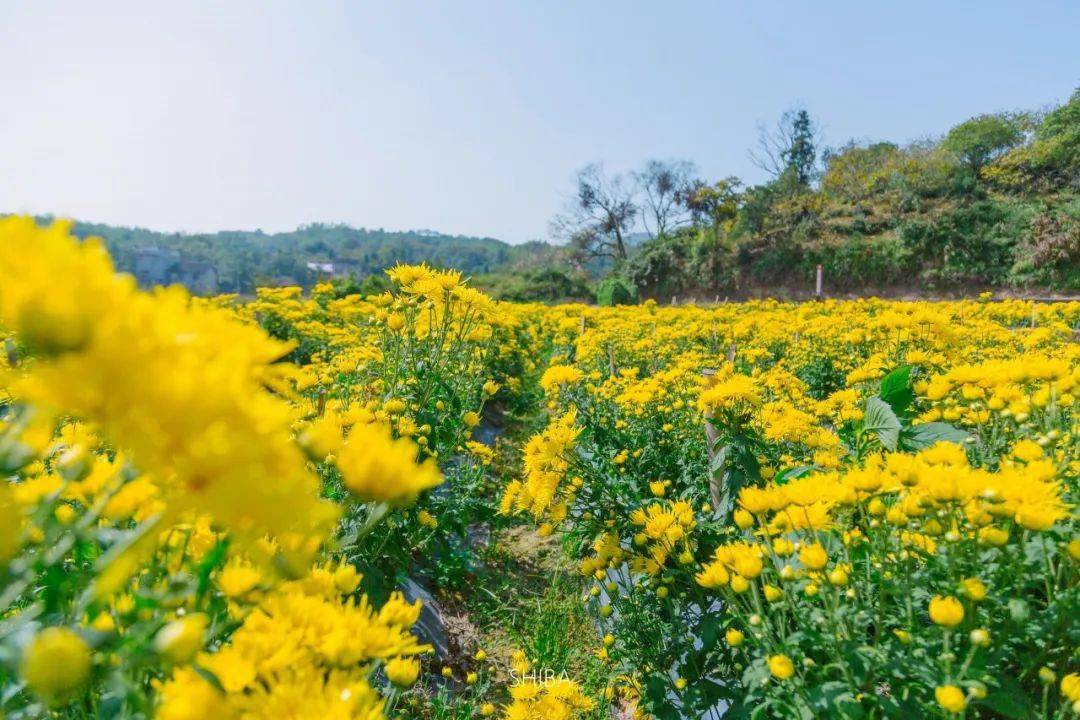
(1010, 700)
(895, 390)
(110, 706)
(708, 630)
(881, 420)
(656, 689)
(733, 467)
(733, 481)
(717, 464)
(209, 677)
(829, 697)
(791, 473)
(207, 565)
(917, 437)
(709, 692)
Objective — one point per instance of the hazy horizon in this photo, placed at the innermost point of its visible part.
(467, 120)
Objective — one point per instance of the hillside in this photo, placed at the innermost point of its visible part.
(993, 203)
(243, 260)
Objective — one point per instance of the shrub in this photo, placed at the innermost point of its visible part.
(1050, 254)
(971, 243)
(615, 290)
(662, 266)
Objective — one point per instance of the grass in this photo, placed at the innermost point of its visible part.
(528, 596)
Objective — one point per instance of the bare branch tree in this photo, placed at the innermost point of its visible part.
(598, 217)
(791, 146)
(665, 184)
(768, 156)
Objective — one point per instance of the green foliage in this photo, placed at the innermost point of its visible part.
(716, 204)
(1051, 252)
(822, 376)
(1050, 162)
(801, 156)
(375, 284)
(546, 284)
(896, 391)
(765, 260)
(246, 259)
(615, 290)
(713, 262)
(886, 215)
(664, 265)
(887, 420)
(856, 172)
(971, 243)
(859, 262)
(981, 139)
(880, 420)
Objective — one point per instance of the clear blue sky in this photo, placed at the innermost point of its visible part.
(467, 116)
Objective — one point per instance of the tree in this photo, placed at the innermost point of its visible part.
(1052, 159)
(789, 149)
(664, 185)
(716, 204)
(599, 215)
(552, 284)
(856, 171)
(802, 155)
(1063, 120)
(662, 266)
(982, 139)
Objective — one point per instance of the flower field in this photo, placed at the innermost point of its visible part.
(223, 507)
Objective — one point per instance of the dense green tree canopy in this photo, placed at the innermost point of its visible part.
(984, 138)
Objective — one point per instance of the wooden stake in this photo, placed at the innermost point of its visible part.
(711, 436)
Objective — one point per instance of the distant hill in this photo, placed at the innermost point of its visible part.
(240, 261)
